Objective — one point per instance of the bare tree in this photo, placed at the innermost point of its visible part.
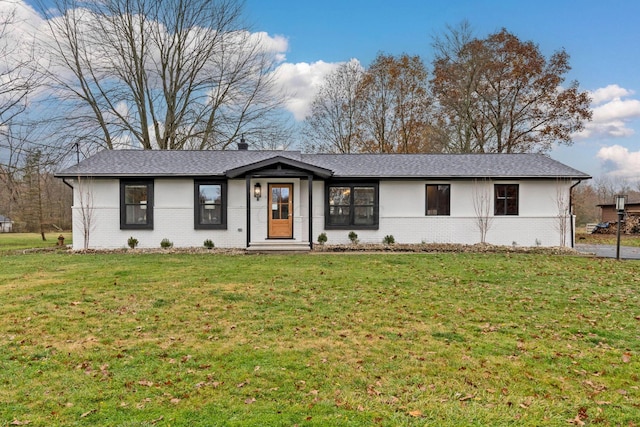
(396, 106)
(85, 204)
(457, 115)
(172, 74)
(18, 76)
(482, 206)
(502, 95)
(564, 210)
(334, 124)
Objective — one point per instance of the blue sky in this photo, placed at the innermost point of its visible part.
(602, 37)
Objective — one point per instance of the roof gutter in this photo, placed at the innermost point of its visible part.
(68, 185)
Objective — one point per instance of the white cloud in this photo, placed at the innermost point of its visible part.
(611, 113)
(608, 93)
(276, 45)
(619, 161)
(301, 82)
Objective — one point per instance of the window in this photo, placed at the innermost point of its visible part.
(438, 199)
(136, 204)
(352, 206)
(210, 199)
(506, 199)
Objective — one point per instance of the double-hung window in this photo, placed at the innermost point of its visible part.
(353, 206)
(210, 199)
(438, 199)
(506, 199)
(136, 204)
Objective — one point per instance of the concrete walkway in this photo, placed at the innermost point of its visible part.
(609, 251)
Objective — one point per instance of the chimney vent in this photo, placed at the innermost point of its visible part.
(242, 145)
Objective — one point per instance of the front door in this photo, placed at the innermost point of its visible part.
(281, 211)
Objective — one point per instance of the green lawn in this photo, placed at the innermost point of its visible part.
(320, 339)
(21, 241)
(608, 239)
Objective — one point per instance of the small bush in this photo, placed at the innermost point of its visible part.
(208, 244)
(322, 238)
(388, 240)
(132, 242)
(166, 243)
(353, 236)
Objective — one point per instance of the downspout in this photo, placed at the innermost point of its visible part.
(248, 190)
(310, 186)
(573, 233)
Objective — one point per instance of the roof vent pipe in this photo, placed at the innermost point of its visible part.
(242, 145)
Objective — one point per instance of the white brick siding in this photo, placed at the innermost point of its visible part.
(402, 214)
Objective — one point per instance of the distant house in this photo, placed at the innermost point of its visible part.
(608, 212)
(6, 225)
(285, 199)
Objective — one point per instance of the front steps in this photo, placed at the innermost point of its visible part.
(274, 246)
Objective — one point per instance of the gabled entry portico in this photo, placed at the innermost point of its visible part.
(284, 217)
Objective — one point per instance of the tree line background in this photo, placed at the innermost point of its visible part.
(189, 74)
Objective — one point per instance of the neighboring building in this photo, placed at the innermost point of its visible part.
(260, 199)
(608, 212)
(6, 225)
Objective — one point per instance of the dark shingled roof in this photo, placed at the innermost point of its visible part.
(131, 163)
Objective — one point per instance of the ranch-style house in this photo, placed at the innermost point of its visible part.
(286, 199)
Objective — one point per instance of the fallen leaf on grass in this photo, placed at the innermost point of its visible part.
(415, 413)
(250, 400)
(86, 414)
(467, 397)
(15, 422)
(626, 357)
(175, 400)
(577, 421)
(146, 383)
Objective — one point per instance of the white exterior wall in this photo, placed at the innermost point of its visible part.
(173, 216)
(401, 213)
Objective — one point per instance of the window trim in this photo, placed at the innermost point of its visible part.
(352, 225)
(123, 207)
(426, 200)
(496, 197)
(196, 204)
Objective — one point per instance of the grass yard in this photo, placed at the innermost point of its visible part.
(21, 241)
(608, 239)
(318, 340)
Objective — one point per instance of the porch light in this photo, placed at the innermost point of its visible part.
(257, 191)
(620, 199)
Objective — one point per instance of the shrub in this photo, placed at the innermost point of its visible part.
(388, 239)
(353, 236)
(132, 242)
(166, 243)
(322, 238)
(208, 244)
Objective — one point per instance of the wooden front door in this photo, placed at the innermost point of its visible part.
(280, 211)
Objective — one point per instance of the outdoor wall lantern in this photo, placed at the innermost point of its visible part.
(620, 199)
(257, 191)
